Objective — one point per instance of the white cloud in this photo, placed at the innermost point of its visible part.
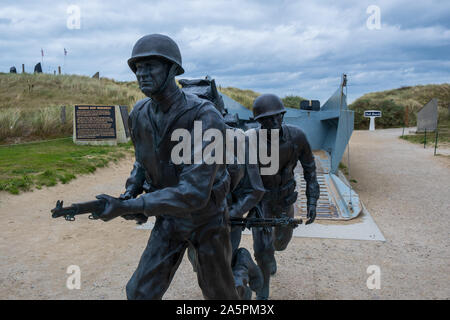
(287, 47)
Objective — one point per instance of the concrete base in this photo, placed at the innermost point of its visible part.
(96, 142)
(362, 228)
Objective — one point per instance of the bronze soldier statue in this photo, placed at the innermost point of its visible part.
(246, 190)
(188, 200)
(244, 195)
(280, 193)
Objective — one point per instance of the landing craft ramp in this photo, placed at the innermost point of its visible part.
(335, 194)
(328, 129)
(340, 213)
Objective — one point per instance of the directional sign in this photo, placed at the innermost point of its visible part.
(372, 113)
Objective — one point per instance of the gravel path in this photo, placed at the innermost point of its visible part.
(405, 188)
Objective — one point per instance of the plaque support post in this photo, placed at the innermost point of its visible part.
(372, 124)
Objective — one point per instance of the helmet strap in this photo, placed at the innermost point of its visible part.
(170, 75)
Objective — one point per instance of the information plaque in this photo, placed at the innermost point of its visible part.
(95, 122)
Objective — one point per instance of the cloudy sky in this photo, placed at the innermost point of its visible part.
(283, 47)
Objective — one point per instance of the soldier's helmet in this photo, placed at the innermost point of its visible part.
(267, 105)
(156, 45)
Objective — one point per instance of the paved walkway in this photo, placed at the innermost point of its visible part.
(403, 186)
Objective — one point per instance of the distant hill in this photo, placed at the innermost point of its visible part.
(30, 103)
(26, 91)
(393, 104)
(246, 97)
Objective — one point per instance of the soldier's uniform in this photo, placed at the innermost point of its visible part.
(197, 191)
(188, 200)
(280, 194)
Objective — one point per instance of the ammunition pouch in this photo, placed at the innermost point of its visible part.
(283, 197)
(221, 188)
(290, 200)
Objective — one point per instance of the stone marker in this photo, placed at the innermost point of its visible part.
(12, 70)
(427, 116)
(99, 125)
(38, 68)
(96, 75)
(124, 114)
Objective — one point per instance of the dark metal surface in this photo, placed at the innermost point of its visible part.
(156, 45)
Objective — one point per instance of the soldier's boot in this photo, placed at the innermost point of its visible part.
(265, 262)
(247, 274)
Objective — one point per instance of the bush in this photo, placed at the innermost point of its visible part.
(392, 114)
(292, 101)
(393, 104)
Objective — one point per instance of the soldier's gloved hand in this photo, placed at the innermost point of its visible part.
(311, 215)
(115, 207)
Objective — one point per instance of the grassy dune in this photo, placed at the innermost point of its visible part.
(246, 97)
(30, 104)
(393, 104)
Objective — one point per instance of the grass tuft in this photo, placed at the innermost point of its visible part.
(30, 104)
(28, 166)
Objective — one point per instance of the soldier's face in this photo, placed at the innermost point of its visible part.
(151, 74)
(271, 122)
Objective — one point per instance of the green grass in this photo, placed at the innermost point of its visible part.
(443, 135)
(292, 101)
(246, 97)
(28, 166)
(31, 91)
(394, 104)
(343, 168)
(30, 104)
